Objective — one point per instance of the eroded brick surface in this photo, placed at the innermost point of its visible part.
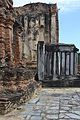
(6, 23)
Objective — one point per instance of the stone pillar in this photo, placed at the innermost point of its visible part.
(47, 33)
(57, 28)
(56, 67)
(72, 57)
(8, 37)
(45, 64)
(59, 62)
(41, 52)
(54, 64)
(76, 63)
(17, 43)
(2, 38)
(54, 24)
(67, 64)
(53, 29)
(48, 62)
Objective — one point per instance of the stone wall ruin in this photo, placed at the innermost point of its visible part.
(40, 23)
(58, 65)
(21, 28)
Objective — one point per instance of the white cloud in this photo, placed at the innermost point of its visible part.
(64, 5)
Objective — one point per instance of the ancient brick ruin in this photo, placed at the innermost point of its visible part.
(20, 30)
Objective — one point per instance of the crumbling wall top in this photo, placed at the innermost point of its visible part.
(37, 7)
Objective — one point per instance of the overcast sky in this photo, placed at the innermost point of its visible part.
(69, 19)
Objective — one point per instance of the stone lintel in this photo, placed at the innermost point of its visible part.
(61, 48)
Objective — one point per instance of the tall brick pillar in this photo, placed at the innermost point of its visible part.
(17, 29)
(8, 37)
(2, 38)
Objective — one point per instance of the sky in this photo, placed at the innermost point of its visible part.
(69, 19)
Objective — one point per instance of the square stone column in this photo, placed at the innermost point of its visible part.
(40, 60)
(2, 38)
(54, 24)
(17, 29)
(8, 37)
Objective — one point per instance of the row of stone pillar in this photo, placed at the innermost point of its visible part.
(57, 60)
(61, 63)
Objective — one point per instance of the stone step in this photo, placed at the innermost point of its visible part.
(61, 83)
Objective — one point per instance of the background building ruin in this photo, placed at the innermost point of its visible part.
(40, 23)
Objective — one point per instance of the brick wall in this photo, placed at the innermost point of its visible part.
(17, 77)
(17, 85)
(6, 23)
(17, 29)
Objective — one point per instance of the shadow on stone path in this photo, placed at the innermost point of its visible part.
(50, 104)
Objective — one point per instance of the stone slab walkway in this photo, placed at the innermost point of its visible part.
(50, 104)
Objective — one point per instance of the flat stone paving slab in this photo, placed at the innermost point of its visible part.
(50, 104)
